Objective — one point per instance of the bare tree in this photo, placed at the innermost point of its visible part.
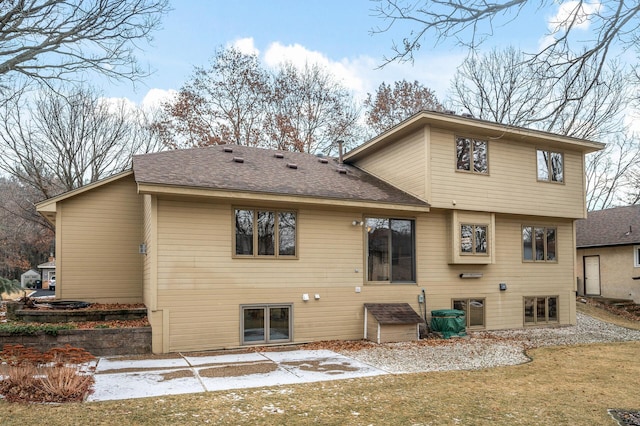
(224, 103)
(237, 101)
(613, 25)
(502, 86)
(309, 111)
(57, 142)
(390, 105)
(50, 40)
(611, 174)
(25, 238)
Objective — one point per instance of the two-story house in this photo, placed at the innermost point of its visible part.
(230, 246)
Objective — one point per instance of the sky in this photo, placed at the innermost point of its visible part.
(336, 34)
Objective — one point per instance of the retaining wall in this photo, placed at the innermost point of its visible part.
(99, 342)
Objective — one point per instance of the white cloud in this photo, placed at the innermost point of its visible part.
(299, 55)
(154, 98)
(363, 74)
(246, 46)
(574, 14)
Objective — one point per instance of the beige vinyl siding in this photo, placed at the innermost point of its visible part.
(503, 308)
(511, 186)
(402, 164)
(617, 271)
(98, 235)
(201, 286)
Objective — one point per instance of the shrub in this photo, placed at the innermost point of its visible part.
(30, 329)
(58, 375)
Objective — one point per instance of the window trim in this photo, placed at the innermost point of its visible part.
(471, 156)
(276, 232)
(366, 252)
(473, 234)
(535, 311)
(545, 243)
(549, 168)
(636, 256)
(267, 326)
(468, 300)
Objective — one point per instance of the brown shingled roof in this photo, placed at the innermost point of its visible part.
(259, 170)
(617, 226)
(393, 313)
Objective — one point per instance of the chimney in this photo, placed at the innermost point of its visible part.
(340, 151)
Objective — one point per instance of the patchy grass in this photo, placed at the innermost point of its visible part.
(562, 385)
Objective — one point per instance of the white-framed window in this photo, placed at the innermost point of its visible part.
(550, 166)
(264, 232)
(391, 254)
(472, 155)
(262, 324)
(636, 256)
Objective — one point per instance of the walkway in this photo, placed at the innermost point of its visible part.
(139, 377)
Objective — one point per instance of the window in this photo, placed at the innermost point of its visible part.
(473, 310)
(539, 244)
(473, 239)
(636, 256)
(471, 155)
(550, 166)
(540, 310)
(390, 250)
(265, 233)
(266, 324)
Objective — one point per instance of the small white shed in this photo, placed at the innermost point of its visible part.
(29, 277)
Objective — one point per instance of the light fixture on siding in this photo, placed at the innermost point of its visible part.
(357, 223)
(142, 249)
(471, 275)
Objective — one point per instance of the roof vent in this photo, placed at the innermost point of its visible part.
(238, 160)
(341, 170)
(292, 165)
(323, 160)
(278, 155)
(227, 149)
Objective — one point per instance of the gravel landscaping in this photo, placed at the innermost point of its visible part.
(485, 349)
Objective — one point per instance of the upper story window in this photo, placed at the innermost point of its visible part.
(472, 155)
(539, 244)
(391, 250)
(265, 233)
(550, 166)
(636, 256)
(473, 239)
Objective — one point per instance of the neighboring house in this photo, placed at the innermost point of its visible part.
(48, 271)
(230, 246)
(608, 254)
(29, 278)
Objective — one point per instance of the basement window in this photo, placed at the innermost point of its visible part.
(540, 310)
(262, 324)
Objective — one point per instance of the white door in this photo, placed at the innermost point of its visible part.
(592, 275)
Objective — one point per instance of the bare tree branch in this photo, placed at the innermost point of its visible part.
(65, 141)
(50, 40)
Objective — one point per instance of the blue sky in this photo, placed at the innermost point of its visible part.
(333, 33)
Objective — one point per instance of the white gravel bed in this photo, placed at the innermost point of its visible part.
(488, 348)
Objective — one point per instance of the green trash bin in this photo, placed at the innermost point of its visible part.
(449, 322)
